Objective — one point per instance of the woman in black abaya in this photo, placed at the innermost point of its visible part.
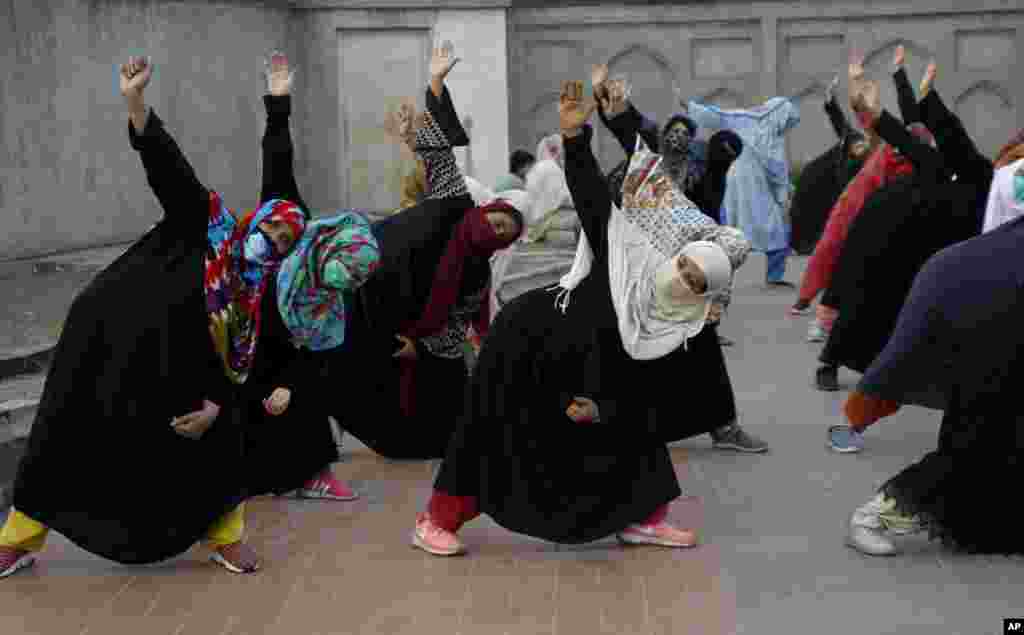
(902, 225)
(527, 451)
(825, 177)
(624, 121)
(409, 324)
(956, 347)
(134, 356)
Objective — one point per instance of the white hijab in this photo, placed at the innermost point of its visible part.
(642, 237)
(1006, 197)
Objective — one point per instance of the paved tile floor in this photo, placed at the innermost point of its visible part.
(772, 559)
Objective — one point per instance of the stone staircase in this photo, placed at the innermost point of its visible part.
(38, 294)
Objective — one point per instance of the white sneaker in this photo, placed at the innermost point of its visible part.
(867, 531)
(873, 525)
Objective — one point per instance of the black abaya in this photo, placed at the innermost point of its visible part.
(531, 468)
(959, 337)
(284, 451)
(103, 466)
(901, 226)
(412, 244)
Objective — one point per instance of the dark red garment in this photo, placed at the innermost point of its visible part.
(881, 167)
(473, 238)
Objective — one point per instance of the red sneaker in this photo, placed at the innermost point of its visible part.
(13, 560)
(326, 486)
(433, 539)
(662, 535)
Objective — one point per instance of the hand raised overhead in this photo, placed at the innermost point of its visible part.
(279, 77)
(443, 60)
(598, 76)
(899, 56)
(573, 109)
(135, 75)
(929, 77)
(865, 95)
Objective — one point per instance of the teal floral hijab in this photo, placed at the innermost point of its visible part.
(334, 256)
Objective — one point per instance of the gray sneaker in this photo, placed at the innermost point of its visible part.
(733, 437)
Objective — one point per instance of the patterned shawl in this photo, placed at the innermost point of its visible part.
(334, 255)
(234, 286)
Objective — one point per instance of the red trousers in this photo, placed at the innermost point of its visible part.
(452, 512)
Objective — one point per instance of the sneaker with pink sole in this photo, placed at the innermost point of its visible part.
(13, 560)
(326, 486)
(237, 557)
(662, 534)
(433, 539)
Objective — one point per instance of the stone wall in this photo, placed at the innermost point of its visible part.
(736, 54)
(359, 62)
(68, 177)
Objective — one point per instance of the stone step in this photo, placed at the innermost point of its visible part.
(19, 398)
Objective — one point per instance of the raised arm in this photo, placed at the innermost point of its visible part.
(619, 115)
(865, 98)
(278, 151)
(909, 109)
(960, 152)
(706, 116)
(835, 113)
(586, 182)
(168, 172)
(434, 133)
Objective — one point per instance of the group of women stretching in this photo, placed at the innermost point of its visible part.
(918, 262)
(196, 371)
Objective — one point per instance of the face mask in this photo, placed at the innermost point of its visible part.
(257, 247)
(674, 300)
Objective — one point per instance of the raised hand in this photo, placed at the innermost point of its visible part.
(899, 56)
(279, 77)
(135, 76)
(573, 109)
(616, 94)
(598, 76)
(403, 122)
(929, 77)
(443, 61)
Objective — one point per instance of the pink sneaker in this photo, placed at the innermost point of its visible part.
(237, 557)
(327, 486)
(433, 539)
(13, 560)
(662, 535)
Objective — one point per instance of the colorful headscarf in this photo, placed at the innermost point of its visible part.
(235, 286)
(334, 255)
(1006, 196)
(1012, 151)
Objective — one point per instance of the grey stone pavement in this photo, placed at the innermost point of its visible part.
(778, 520)
(772, 526)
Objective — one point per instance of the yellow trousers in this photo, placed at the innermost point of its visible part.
(21, 532)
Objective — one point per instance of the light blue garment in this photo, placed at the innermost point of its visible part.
(757, 185)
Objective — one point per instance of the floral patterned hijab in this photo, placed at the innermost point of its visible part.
(334, 255)
(235, 285)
